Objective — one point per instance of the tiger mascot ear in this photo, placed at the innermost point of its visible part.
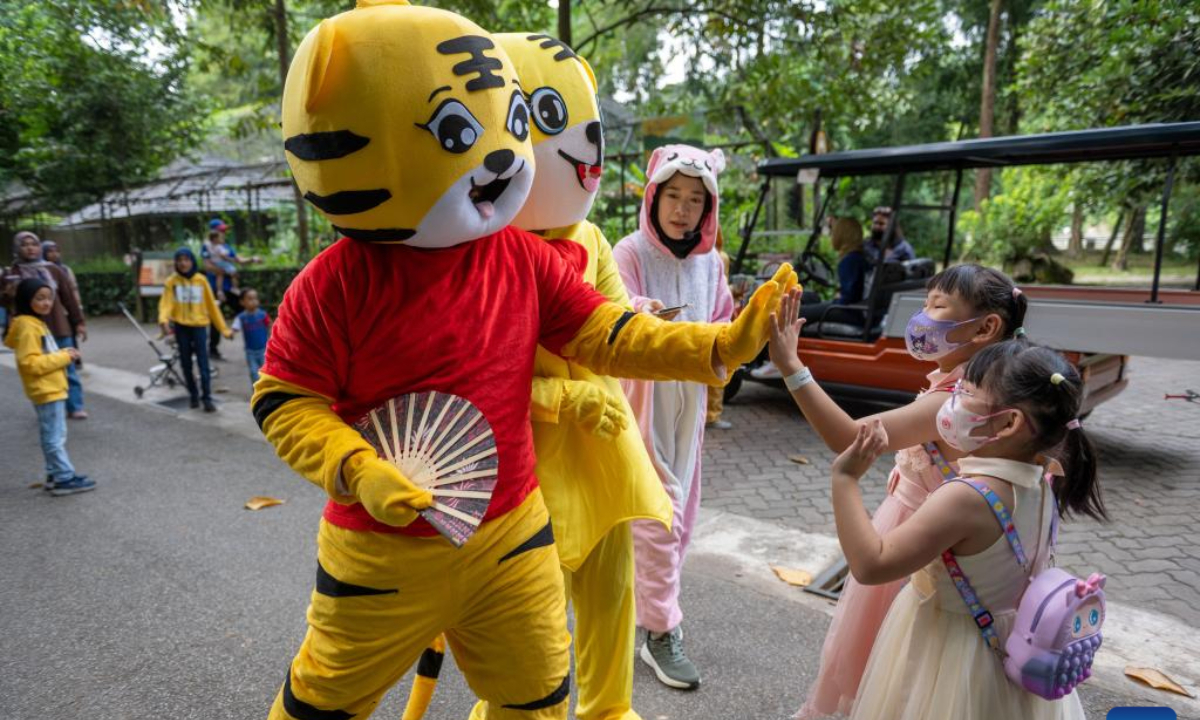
(318, 64)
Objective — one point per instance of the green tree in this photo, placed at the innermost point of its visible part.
(93, 97)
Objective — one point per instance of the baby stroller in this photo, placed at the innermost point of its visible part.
(165, 372)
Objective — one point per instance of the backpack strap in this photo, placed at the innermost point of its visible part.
(981, 615)
(1000, 510)
(939, 461)
(983, 618)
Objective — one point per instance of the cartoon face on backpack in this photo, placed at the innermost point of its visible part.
(407, 124)
(1056, 634)
(568, 139)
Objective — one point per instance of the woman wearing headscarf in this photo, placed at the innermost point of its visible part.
(65, 320)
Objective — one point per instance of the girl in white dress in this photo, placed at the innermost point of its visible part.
(1017, 405)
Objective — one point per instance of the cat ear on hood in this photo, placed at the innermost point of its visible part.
(718, 160)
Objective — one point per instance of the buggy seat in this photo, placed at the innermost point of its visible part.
(864, 321)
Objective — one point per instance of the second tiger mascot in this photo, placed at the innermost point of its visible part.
(592, 465)
(399, 371)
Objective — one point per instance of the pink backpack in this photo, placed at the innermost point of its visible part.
(1057, 629)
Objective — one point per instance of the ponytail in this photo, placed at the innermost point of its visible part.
(1016, 315)
(1078, 491)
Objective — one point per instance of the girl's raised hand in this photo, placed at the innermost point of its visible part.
(868, 445)
(785, 333)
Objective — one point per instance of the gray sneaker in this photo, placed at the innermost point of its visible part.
(671, 665)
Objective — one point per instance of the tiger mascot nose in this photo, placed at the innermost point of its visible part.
(595, 136)
(499, 160)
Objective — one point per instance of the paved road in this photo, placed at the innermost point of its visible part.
(158, 596)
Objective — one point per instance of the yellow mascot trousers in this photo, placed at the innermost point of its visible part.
(605, 627)
(381, 599)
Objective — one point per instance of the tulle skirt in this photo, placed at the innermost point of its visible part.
(857, 619)
(932, 664)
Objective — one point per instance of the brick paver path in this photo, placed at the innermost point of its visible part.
(1149, 454)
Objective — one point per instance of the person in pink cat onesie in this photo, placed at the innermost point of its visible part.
(968, 307)
(670, 267)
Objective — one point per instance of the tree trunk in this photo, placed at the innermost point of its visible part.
(1075, 246)
(564, 21)
(1112, 238)
(1133, 232)
(987, 104)
(285, 59)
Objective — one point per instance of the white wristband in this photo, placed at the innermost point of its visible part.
(798, 379)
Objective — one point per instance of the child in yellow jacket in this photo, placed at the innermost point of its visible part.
(43, 368)
(187, 308)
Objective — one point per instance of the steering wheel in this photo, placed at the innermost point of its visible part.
(814, 269)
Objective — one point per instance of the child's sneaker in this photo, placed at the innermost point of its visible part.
(77, 484)
(665, 655)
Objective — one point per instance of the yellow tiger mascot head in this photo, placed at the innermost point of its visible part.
(568, 140)
(407, 124)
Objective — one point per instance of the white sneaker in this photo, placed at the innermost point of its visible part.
(766, 371)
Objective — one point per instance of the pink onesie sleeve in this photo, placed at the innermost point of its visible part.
(631, 273)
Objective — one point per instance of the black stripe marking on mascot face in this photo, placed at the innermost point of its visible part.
(550, 700)
(331, 586)
(381, 235)
(542, 538)
(301, 710)
(325, 145)
(430, 664)
(478, 64)
(549, 42)
(348, 202)
(269, 403)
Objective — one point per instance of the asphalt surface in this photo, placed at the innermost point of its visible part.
(159, 596)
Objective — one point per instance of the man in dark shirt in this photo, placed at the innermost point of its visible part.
(898, 250)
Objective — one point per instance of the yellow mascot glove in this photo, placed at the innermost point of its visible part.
(592, 408)
(384, 492)
(741, 341)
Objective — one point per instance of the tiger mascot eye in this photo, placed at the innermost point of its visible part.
(398, 373)
(428, 145)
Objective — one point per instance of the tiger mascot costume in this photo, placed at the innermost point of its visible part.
(592, 465)
(407, 128)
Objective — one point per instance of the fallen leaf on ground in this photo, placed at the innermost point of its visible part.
(1156, 679)
(800, 459)
(792, 576)
(35, 486)
(258, 502)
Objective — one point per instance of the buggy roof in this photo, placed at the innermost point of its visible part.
(1120, 143)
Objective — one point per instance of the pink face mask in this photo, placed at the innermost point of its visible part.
(955, 423)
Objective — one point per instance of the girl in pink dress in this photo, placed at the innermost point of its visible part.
(968, 307)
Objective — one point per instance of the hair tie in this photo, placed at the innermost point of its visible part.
(1073, 425)
(1016, 292)
(1056, 379)
(1019, 332)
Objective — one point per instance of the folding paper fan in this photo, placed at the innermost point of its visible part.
(443, 443)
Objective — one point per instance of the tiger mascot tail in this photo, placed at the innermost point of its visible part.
(424, 682)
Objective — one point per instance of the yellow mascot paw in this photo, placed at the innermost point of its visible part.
(384, 492)
(741, 341)
(593, 408)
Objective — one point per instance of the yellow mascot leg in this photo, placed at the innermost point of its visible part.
(511, 641)
(605, 628)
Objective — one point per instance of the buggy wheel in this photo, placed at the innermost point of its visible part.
(139, 391)
(735, 384)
